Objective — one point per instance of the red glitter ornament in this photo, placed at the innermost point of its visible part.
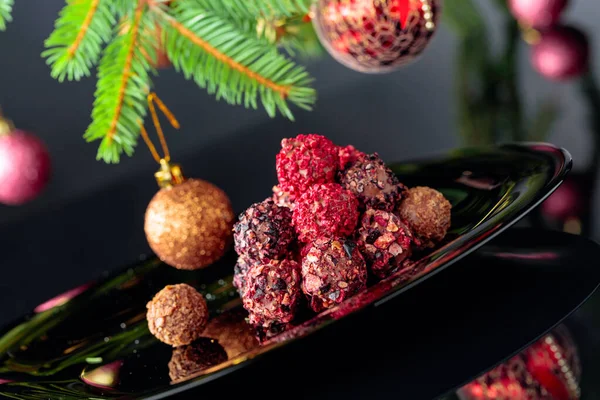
(562, 53)
(325, 210)
(537, 13)
(24, 165)
(304, 161)
(375, 36)
(549, 369)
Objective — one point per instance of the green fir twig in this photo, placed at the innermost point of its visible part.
(6, 7)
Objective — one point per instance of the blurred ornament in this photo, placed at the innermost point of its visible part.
(188, 222)
(24, 165)
(375, 36)
(561, 53)
(548, 369)
(566, 202)
(537, 13)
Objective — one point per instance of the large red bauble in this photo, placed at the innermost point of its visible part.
(548, 369)
(537, 13)
(375, 36)
(566, 202)
(561, 53)
(24, 167)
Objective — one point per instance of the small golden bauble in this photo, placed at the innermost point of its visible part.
(188, 225)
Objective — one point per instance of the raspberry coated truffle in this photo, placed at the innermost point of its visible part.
(177, 315)
(283, 198)
(348, 155)
(384, 241)
(201, 354)
(264, 231)
(373, 183)
(332, 271)
(427, 213)
(304, 161)
(272, 293)
(325, 210)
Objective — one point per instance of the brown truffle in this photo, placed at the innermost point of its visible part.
(427, 213)
(332, 271)
(177, 315)
(201, 354)
(384, 241)
(372, 182)
(233, 332)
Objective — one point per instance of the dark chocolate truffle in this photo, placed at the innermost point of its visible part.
(201, 354)
(373, 183)
(384, 241)
(272, 293)
(325, 210)
(233, 332)
(177, 315)
(264, 231)
(332, 271)
(427, 213)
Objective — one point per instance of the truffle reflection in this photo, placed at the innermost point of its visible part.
(201, 354)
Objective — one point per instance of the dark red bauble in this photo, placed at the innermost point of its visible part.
(562, 53)
(537, 13)
(24, 167)
(565, 202)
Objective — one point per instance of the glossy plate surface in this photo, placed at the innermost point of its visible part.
(93, 341)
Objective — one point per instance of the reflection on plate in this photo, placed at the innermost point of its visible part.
(94, 342)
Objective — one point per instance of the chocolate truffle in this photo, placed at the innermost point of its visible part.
(264, 231)
(373, 183)
(201, 354)
(427, 213)
(325, 210)
(384, 241)
(283, 198)
(304, 161)
(177, 315)
(233, 332)
(348, 155)
(272, 293)
(240, 270)
(332, 271)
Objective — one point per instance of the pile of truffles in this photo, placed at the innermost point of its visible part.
(336, 217)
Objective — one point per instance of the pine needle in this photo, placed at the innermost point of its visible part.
(5, 13)
(232, 63)
(75, 45)
(123, 83)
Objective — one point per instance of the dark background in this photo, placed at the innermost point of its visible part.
(60, 239)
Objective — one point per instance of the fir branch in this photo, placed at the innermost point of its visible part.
(250, 10)
(75, 45)
(232, 63)
(5, 13)
(123, 83)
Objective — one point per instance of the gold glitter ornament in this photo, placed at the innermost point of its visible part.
(375, 36)
(188, 222)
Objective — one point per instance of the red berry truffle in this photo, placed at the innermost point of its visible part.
(325, 210)
(240, 270)
(272, 294)
(384, 241)
(332, 271)
(348, 155)
(264, 232)
(373, 183)
(304, 161)
(427, 213)
(283, 198)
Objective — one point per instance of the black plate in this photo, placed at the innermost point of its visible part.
(77, 346)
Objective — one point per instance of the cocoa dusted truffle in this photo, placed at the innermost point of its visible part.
(325, 210)
(384, 241)
(177, 315)
(272, 294)
(373, 183)
(332, 271)
(427, 213)
(201, 354)
(348, 155)
(304, 161)
(233, 332)
(264, 231)
(240, 270)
